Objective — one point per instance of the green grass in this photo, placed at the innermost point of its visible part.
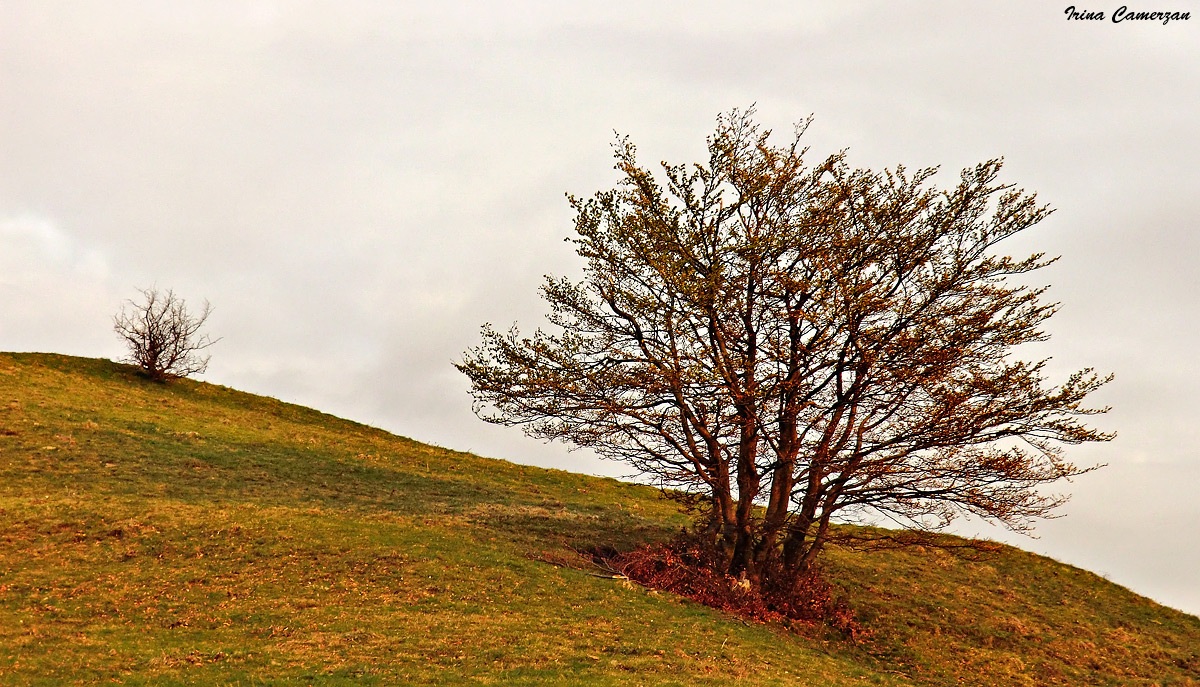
(192, 534)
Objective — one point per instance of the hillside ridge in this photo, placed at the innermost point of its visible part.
(194, 534)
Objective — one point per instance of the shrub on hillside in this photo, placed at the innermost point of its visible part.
(687, 568)
(163, 338)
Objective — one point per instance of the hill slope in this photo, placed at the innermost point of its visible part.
(192, 534)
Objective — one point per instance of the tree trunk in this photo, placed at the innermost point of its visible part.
(722, 525)
(748, 487)
(782, 481)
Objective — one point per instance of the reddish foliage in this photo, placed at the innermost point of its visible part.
(685, 568)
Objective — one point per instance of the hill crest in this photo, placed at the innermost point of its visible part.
(193, 534)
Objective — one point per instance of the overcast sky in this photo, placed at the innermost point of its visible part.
(358, 186)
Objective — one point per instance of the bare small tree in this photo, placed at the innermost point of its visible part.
(163, 337)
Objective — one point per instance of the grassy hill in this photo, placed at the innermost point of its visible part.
(192, 534)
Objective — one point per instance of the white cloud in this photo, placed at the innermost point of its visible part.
(55, 294)
(33, 247)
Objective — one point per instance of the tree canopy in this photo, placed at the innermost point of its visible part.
(789, 342)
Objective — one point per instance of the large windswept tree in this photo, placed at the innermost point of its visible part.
(790, 342)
